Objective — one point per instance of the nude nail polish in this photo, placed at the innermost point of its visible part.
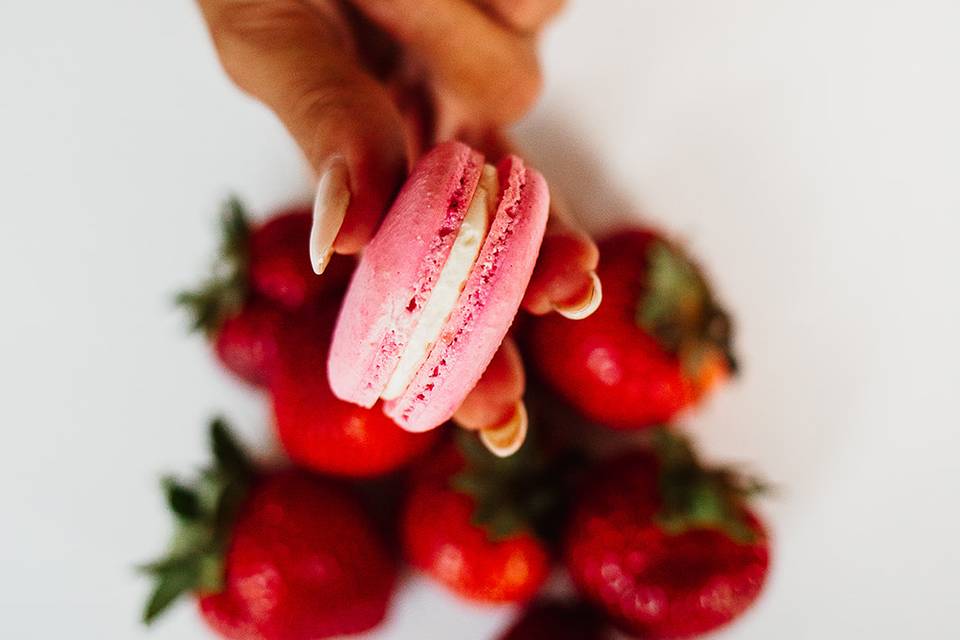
(329, 208)
(504, 440)
(586, 305)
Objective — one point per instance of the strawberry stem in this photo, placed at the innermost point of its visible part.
(522, 492)
(695, 496)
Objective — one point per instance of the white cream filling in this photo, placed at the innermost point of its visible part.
(450, 282)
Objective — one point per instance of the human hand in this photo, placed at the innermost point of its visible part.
(329, 72)
(340, 76)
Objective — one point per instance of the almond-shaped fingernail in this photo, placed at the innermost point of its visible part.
(587, 304)
(329, 209)
(505, 439)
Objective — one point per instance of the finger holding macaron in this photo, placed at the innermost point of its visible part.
(495, 407)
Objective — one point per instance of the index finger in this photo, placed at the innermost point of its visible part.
(297, 58)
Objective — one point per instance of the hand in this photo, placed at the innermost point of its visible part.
(348, 80)
(330, 74)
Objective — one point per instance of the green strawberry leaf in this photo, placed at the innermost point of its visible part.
(468, 483)
(210, 570)
(679, 310)
(182, 500)
(171, 564)
(227, 452)
(695, 496)
(234, 229)
(205, 511)
(500, 524)
(675, 294)
(224, 292)
(525, 492)
(169, 587)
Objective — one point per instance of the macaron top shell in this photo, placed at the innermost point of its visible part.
(398, 270)
(486, 306)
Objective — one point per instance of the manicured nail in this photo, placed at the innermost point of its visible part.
(504, 440)
(329, 208)
(587, 304)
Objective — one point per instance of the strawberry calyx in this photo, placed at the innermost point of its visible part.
(522, 493)
(204, 511)
(225, 291)
(695, 496)
(680, 311)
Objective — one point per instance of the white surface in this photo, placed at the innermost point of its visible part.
(807, 149)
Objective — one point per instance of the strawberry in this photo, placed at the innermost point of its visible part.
(261, 271)
(666, 547)
(547, 620)
(246, 342)
(466, 525)
(276, 555)
(318, 430)
(280, 265)
(655, 345)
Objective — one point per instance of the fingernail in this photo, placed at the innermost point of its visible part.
(504, 440)
(329, 208)
(587, 304)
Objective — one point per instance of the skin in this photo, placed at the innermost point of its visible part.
(374, 82)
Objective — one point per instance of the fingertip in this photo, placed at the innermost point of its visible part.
(492, 401)
(586, 303)
(506, 438)
(565, 274)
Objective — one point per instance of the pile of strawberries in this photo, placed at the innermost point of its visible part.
(605, 523)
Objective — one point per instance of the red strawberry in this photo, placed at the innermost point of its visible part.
(666, 547)
(557, 621)
(479, 548)
(320, 431)
(246, 342)
(657, 343)
(272, 556)
(280, 265)
(260, 272)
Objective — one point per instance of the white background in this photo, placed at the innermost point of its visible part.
(808, 151)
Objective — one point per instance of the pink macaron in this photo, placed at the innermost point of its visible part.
(437, 288)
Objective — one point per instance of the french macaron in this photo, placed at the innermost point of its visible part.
(437, 288)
